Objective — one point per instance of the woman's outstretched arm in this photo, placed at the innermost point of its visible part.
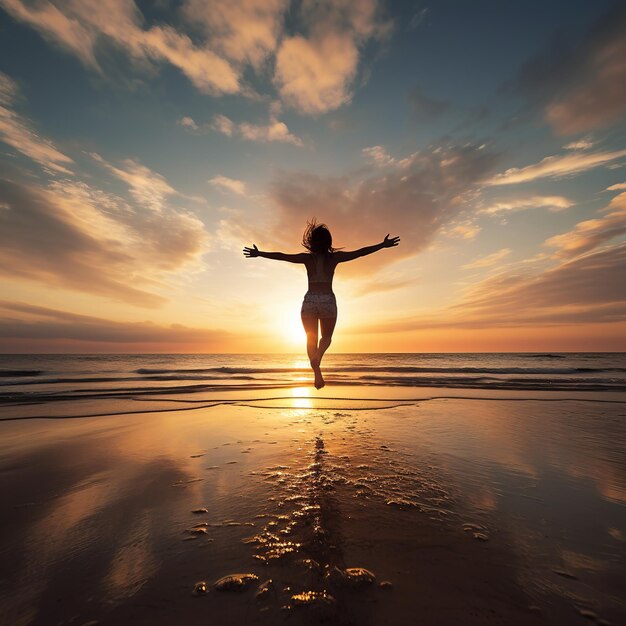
(250, 253)
(342, 257)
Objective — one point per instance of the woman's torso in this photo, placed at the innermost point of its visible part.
(320, 269)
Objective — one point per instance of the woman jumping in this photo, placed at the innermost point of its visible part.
(319, 301)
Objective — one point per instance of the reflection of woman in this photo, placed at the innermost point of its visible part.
(319, 301)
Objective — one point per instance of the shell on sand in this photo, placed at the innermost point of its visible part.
(235, 582)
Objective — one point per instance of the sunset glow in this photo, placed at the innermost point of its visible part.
(143, 145)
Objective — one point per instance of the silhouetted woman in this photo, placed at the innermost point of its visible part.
(319, 301)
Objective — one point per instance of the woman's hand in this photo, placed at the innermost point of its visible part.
(251, 252)
(390, 243)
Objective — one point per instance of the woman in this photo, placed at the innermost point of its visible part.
(319, 301)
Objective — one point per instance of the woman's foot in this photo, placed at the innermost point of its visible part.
(319, 379)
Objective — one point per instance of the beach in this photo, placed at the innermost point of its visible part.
(432, 489)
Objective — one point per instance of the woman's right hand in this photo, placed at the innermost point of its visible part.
(251, 252)
(390, 243)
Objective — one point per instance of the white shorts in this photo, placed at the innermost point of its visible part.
(319, 305)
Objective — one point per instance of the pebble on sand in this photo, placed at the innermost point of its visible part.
(235, 582)
(200, 511)
(385, 584)
(359, 576)
(264, 589)
(199, 589)
(352, 576)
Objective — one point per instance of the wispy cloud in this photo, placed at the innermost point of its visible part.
(557, 166)
(416, 200)
(553, 203)
(583, 87)
(590, 234)
(74, 236)
(43, 324)
(489, 260)
(78, 25)
(147, 187)
(224, 183)
(585, 290)
(19, 133)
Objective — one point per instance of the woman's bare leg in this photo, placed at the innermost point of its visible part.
(310, 326)
(327, 326)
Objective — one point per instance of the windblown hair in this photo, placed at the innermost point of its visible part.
(317, 238)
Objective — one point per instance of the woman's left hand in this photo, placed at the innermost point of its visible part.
(390, 243)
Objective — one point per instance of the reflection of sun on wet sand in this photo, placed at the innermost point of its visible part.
(315, 514)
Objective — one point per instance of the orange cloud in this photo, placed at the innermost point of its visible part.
(590, 234)
(416, 199)
(245, 31)
(46, 325)
(556, 166)
(77, 237)
(78, 25)
(314, 73)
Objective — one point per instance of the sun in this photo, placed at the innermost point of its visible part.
(293, 331)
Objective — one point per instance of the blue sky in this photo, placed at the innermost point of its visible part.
(143, 144)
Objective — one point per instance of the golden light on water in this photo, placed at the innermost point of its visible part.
(301, 398)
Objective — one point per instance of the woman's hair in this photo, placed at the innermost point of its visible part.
(317, 238)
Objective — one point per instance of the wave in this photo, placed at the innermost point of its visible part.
(395, 369)
(18, 373)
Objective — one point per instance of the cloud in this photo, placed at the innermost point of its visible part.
(223, 183)
(425, 107)
(556, 166)
(489, 260)
(616, 187)
(582, 87)
(53, 24)
(187, 122)
(274, 130)
(590, 234)
(581, 144)
(585, 290)
(314, 67)
(553, 203)
(223, 124)
(41, 324)
(74, 236)
(245, 31)
(416, 201)
(466, 230)
(314, 73)
(378, 155)
(18, 132)
(79, 25)
(147, 187)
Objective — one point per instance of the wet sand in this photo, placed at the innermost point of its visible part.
(480, 511)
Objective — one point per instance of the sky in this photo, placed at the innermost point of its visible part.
(144, 144)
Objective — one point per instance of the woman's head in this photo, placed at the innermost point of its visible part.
(317, 238)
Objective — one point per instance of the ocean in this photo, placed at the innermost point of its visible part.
(55, 377)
